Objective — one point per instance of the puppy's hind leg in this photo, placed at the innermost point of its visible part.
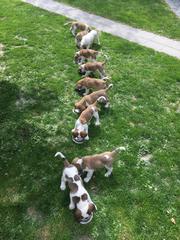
(86, 91)
(101, 73)
(71, 205)
(89, 175)
(107, 104)
(63, 183)
(109, 170)
(87, 74)
(96, 115)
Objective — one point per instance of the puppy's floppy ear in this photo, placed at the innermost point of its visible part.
(74, 162)
(78, 215)
(78, 166)
(74, 133)
(91, 208)
(83, 134)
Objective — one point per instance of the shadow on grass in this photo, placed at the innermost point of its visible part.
(29, 172)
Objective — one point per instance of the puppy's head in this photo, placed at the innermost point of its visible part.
(76, 57)
(79, 107)
(85, 210)
(82, 69)
(78, 136)
(87, 213)
(80, 89)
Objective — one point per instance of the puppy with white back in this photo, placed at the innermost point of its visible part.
(79, 37)
(80, 200)
(90, 38)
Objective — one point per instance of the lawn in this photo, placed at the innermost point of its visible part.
(150, 15)
(37, 79)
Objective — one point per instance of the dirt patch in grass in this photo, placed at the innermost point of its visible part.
(146, 159)
(43, 233)
(34, 214)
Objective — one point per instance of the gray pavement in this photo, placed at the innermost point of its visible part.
(144, 38)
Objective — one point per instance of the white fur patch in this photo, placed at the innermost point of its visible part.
(79, 161)
(88, 39)
(59, 154)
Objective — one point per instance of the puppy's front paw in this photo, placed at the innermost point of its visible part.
(62, 187)
(97, 124)
(86, 180)
(71, 206)
(86, 138)
(107, 174)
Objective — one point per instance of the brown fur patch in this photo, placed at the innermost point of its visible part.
(70, 179)
(91, 208)
(84, 197)
(76, 199)
(78, 215)
(78, 166)
(76, 178)
(73, 187)
(83, 134)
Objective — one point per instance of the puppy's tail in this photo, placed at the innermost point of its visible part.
(66, 163)
(118, 149)
(60, 154)
(110, 86)
(102, 98)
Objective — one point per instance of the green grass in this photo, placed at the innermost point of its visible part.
(150, 15)
(36, 100)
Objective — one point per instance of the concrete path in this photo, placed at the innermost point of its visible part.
(147, 39)
(175, 6)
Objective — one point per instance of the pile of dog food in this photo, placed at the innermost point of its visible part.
(93, 92)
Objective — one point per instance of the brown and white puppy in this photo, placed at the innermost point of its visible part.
(80, 131)
(81, 105)
(80, 200)
(79, 37)
(93, 67)
(85, 54)
(78, 26)
(84, 85)
(90, 163)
